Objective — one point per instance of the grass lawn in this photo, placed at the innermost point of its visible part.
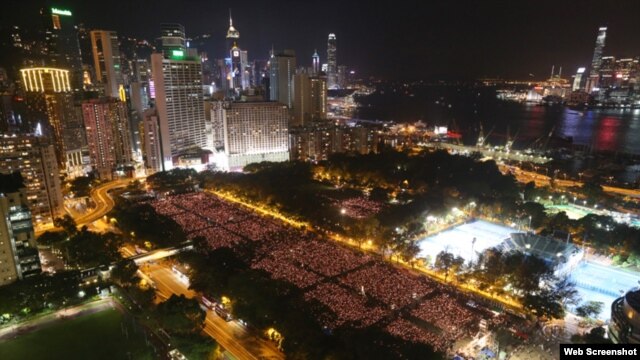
(93, 336)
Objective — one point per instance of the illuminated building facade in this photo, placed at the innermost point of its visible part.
(34, 157)
(577, 80)
(151, 150)
(253, 132)
(596, 62)
(62, 45)
(106, 60)
(18, 249)
(179, 102)
(49, 102)
(107, 127)
(332, 62)
(315, 61)
(624, 327)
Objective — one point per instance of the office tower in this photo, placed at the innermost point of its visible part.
(34, 157)
(106, 122)
(315, 60)
(49, 102)
(607, 71)
(150, 141)
(318, 98)
(301, 99)
(180, 103)
(342, 77)
(18, 249)
(62, 46)
(106, 60)
(332, 63)
(281, 71)
(253, 132)
(233, 35)
(238, 64)
(172, 38)
(596, 62)
(577, 80)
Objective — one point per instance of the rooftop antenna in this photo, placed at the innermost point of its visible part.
(553, 67)
(560, 72)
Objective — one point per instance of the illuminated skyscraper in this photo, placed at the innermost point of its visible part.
(577, 81)
(596, 62)
(50, 103)
(152, 153)
(62, 46)
(177, 83)
(18, 249)
(106, 59)
(316, 63)
(237, 72)
(172, 38)
(301, 99)
(332, 64)
(35, 158)
(107, 126)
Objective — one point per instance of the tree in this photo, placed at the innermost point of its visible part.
(143, 297)
(50, 238)
(408, 251)
(180, 315)
(89, 249)
(590, 309)
(67, 223)
(81, 186)
(565, 289)
(124, 273)
(544, 304)
(447, 262)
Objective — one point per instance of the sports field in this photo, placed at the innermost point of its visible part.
(102, 335)
(596, 282)
(459, 240)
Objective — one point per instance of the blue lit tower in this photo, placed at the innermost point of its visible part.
(316, 63)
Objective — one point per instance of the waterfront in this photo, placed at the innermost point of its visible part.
(610, 130)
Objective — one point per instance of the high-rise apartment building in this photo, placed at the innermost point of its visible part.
(179, 95)
(281, 71)
(106, 60)
(332, 62)
(34, 157)
(18, 249)
(596, 62)
(150, 141)
(577, 80)
(107, 126)
(253, 132)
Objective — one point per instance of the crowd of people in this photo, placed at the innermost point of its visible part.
(346, 306)
(359, 207)
(354, 289)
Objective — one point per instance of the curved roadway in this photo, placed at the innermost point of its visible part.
(102, 199)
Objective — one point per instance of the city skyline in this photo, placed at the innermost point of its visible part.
(555, 34)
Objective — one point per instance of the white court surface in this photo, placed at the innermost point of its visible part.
(459, 240)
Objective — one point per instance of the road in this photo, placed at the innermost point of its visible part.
(543, 180)
(102, 199)
(232, 336)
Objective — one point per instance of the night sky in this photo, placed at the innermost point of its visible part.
(392, 39)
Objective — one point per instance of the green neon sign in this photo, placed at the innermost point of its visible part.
(177, 53)
(60, 12)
